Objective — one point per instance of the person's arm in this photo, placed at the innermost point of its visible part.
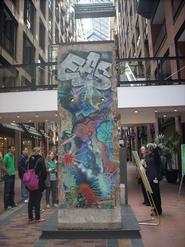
(157, 160)
(21, 164)
(3, 166)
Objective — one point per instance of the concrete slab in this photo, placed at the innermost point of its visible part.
(89, 218)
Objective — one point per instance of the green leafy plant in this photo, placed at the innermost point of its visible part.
(169, 148)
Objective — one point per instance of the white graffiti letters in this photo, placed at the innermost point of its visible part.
(79, 70)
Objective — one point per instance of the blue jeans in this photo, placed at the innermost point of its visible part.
(53, 190)
(9, 185)
(24, 191)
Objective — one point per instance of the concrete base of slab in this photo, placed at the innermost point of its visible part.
(89, 218)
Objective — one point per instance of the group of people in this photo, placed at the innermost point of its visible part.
(151, 161)
(46, 169)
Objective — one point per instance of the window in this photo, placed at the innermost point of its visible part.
(29, 15)
(43, 6)
(41, 74)
(57, 11)
(177, 7)
(50, 4)
(28, 51)
(50, 22)
(8, 31)
(56, 35)
(42, 35)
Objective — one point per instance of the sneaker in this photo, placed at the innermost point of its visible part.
(40, 220)
(9, 207)
(26, 201)
(30, 221)
(55, 205)
(47, 206)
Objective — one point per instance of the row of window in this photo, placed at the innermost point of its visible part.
(9, 26)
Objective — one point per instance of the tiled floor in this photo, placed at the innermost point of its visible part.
(171, 231)
(15, 230)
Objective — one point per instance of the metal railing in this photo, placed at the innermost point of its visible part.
(151, 71)
(40, 76)
(130, 71)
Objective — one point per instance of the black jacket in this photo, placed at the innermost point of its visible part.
(22, 165)
(37, 162)
(153, 162)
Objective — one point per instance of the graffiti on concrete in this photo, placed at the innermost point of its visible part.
(85, 93)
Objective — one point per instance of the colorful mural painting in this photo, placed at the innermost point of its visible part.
(84, 92)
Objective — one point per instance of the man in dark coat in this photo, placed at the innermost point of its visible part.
(153, 165)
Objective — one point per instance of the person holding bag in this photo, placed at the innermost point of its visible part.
(36, 162)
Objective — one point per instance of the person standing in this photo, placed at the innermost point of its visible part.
(142, 157)
(36, 162)
(1, 158)
(8, 167)
(22, 166)
(51, 181)
(153, 164)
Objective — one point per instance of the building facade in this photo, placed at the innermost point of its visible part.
(132, 30)
(154, 29)
(28, 30)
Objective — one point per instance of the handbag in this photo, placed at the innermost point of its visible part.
(31, 179)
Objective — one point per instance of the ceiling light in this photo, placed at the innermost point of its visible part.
(29, 121)
(13, 121)
(136, 111)
(36, 115)
(18, 116)
(156, 110)
(164, 116)
(175, 110)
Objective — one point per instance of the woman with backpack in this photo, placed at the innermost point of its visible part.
(36, 162)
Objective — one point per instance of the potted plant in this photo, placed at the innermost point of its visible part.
(169, 149)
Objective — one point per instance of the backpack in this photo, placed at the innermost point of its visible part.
(31, 179)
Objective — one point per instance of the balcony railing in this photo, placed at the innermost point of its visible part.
(151, 71)
(131, 72)
(40, 76)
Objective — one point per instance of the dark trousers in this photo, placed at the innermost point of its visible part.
(156, 196)
(146, 201)
(53, 190)
(9, 185)
(34, 202)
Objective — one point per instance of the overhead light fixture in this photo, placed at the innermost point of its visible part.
(164, 116)
(175, 110)
(156, 110)
(18, 116)
(37, 116)
(13, 121)
(136, 111)
(29, 121)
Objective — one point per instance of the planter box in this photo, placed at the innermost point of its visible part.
(172, 175)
